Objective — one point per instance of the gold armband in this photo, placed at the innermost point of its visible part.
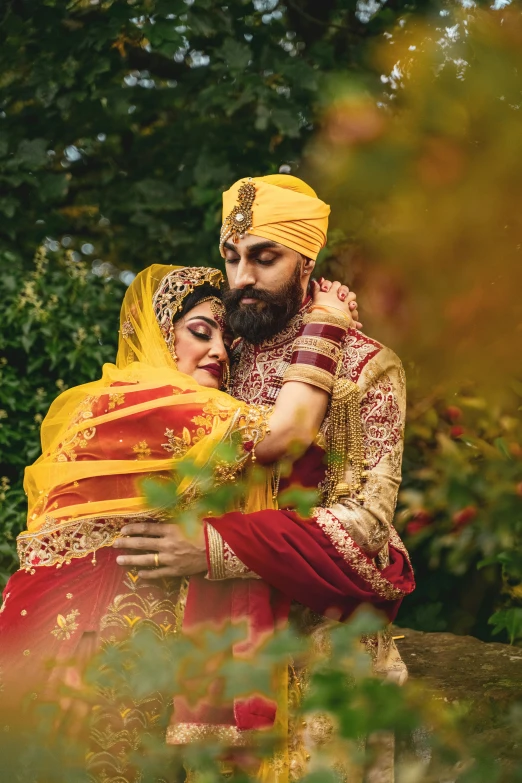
(320, 316)
(305, 373)
(317, 345)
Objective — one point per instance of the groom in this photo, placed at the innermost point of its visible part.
(347, 552)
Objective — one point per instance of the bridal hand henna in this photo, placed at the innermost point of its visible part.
(161, 550)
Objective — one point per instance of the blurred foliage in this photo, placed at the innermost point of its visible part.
(341, 699)
(424, 176)
(121, 122)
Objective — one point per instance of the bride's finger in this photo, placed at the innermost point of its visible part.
(326, 285)
(343, 292)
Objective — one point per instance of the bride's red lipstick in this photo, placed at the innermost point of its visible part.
(213, 369)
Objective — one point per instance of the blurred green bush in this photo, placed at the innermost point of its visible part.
(59, 323)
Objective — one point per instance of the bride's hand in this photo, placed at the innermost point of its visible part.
(337, 295)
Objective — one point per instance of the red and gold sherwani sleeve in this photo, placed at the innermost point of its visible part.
(348, 553)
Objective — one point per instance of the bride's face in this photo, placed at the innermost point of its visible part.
(200, 346)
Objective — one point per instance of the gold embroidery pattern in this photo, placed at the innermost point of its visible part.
(224, 564)
(234, 567)
(369, 531)
(120, 722)
(215, 553)
(183, 733)
(57, 543)
(142, 450)
(179, 445)
(212, 412)
(115, 399)
(154, 609)
(66, 626)
(176, 445)
(361, 564)
(76, 435)
(258, 375)
(249, 426)
(358, 349)
(127, 328)
(396, 542)
(382, 420)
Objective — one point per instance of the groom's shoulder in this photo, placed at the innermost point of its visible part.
(365, 356)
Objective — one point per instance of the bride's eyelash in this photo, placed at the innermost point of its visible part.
(199, 335)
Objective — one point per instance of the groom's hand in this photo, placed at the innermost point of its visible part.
(177, 555)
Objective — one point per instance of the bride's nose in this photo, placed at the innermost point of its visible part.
(217, 350)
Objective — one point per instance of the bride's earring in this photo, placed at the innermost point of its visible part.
(225, 385)
(170, 343)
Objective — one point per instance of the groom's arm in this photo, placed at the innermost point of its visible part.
(328, 561)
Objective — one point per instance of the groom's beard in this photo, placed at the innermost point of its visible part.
(258, 322)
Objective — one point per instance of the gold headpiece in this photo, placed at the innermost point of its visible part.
(218, 310)
(172, 291)
(241, 219)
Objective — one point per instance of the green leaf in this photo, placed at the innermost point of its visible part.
(509, 620)
(159, 495)
(53, 187)
(287, 122)
(33, 154)
(236, 54)
(303, 500)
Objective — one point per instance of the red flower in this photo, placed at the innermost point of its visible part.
(453, 413)
(456, 431)
(419, 521)
(465, 516)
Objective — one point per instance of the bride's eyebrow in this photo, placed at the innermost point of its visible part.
(209, 321)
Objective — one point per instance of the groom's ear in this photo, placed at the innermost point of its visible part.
(308, 266)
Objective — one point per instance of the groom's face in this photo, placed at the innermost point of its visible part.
(267, 284)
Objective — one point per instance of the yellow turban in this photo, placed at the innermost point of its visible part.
(278, 207)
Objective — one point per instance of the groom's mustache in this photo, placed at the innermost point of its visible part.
(233, 296)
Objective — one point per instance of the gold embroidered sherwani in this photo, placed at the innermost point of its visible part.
(361, 518)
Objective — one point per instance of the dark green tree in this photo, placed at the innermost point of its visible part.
(121, 121)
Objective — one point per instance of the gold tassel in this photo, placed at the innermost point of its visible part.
(344, 442)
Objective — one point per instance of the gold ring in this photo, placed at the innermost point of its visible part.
(156, 559)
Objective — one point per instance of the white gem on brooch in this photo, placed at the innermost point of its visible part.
(239, 217)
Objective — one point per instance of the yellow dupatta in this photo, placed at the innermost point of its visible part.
(99, 438)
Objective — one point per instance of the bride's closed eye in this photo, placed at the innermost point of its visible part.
(201, 331)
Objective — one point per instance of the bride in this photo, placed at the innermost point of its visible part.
(163, 401)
